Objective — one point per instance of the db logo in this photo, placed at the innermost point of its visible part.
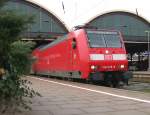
(108, 57)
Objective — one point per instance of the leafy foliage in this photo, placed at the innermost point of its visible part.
(20, 56)
(11, 25)
(15, 91)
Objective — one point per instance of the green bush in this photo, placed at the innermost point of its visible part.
(15, 90)
(15, 93)
(20, 56)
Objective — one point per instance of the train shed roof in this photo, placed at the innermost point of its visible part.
(78, 12)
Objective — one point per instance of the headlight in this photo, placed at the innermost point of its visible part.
(96, 56)
(119, 57)
(122, 66)
(93, 67)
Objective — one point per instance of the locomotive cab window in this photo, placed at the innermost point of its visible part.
(74, 43)
(104, 39)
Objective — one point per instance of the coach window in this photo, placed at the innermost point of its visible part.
(74, 43)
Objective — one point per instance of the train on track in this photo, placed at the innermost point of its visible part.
(91, 54)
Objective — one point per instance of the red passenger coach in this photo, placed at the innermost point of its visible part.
(84, 53)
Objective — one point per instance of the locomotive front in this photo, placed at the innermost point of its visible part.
(107, 55)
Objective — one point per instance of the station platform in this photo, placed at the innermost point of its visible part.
(61, 97)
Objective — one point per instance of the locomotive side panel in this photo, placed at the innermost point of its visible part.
(60, 59)
(57, 57)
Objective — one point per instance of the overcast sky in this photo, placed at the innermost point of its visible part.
(77, 12)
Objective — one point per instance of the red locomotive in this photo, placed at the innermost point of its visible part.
(84, 53)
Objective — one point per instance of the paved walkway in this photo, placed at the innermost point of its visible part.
(59, 99)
